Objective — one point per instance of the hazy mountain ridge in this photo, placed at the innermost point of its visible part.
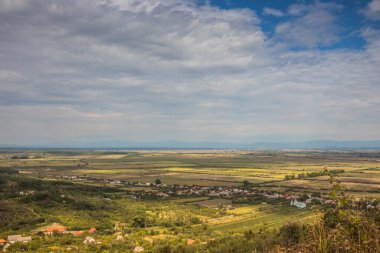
(314, 144)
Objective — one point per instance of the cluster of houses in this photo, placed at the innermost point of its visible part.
(165, 191)
(61, 229)
(11, 239)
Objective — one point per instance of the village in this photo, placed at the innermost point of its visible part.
(49, 231)
(55, 230)
(158, 190)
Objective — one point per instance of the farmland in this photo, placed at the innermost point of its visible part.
(267, 169)
(201, 195)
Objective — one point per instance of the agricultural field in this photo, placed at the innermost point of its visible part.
(267, 169)
(180, 197)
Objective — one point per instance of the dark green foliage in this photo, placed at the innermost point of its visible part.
(246, 184)
(344, 228)
(301, 176)
(84, 205)
(15, 216)
(139, 222)
(2, 181)
(315, 174)
(8, 171)
(290, 177)
(292, 233)
(303, 197)
(261, 242)
(20, 157)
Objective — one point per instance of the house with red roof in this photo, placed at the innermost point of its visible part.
(190, 242)
(76, 233)
(58, 228)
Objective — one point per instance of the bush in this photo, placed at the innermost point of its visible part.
(292, 233)
(83, 205)
(342, 229)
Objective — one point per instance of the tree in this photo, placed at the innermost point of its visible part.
(157, 181)
(246, 183)
(292, 233)
(139, 222)
(290, 177)
(301, 176)
(303, 197)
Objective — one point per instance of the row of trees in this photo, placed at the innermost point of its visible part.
(314, 174)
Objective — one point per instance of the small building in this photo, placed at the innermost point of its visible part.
(25, 239)
(190, 242)
(138, 249)
(162, 195)
(119, 238)
(2, 242)
(89, 240)
(329, 202)
(92, 230)
(76, 233)
(57, 228)
(13, 238)
(298, 204)
(18, 238)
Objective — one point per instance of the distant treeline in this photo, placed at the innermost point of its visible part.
(314, 174)
(8, 171)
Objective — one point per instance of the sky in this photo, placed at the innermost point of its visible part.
(189, 70)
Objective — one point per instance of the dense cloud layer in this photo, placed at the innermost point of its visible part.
(176, 69)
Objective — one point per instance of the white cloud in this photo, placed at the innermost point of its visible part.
(311, 25)
(156, 70)
(273, 12)
(372, 11)
(12, 5)
(9, 76)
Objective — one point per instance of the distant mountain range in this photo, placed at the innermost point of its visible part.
(315, 144)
